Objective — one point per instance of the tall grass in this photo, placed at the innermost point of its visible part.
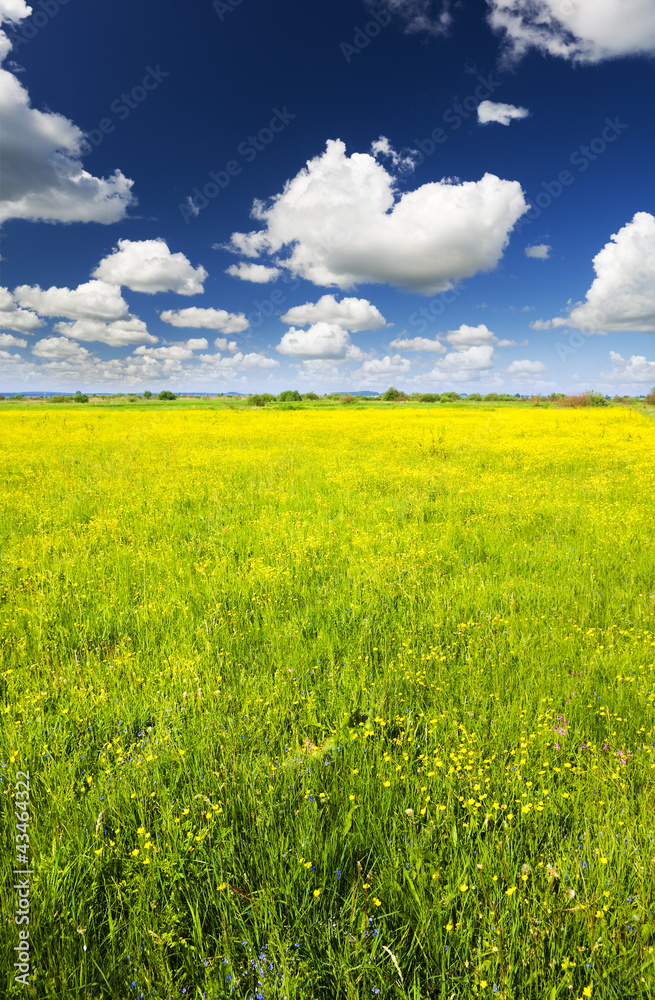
(330, 704)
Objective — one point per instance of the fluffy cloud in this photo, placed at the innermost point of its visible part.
(257, 273)
(526, 368)
(174, 352)
(94, 300)
(622, 296)
(540, 251)
(470, 336)
(8, 340)
(352, 314)
(404, 164)
(466, 365)
(581, 30)
(322, 340)
(149, 266)
(489, 111)
(41, 157)
(634, 369)
(13, 318)
(195, 318)
(343, 222)
(418, 344)
(383, 368)
(225, 345)
(216, 363)
(541, 324)
(58, 349)
(120, 333)
(431, 16)
(197, 344)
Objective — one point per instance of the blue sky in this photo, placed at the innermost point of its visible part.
(246, 196)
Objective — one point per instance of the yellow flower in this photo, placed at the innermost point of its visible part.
(510, 891)
(222, 886)
(317, 892)
(377, 901)
(449, 927)
(463, 887)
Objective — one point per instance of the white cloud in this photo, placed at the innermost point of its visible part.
(225, 345)
(467, 364)
(322, 340)
(381, 368)
(318, 370)
(149, 266)
(352, 314)
(174, 352)
(59, 348)
(257, 273)
(540, 251)
(120, 333)
(526, 368)
(490, 111)
(541, 324)
(418, 344)
(430, 16)
(8, 340)
(404, 164)
(470, 336)
(344, 221)
(622, 296)
(13, 318)
(197, 344)
(634, 369)
(93, 300)
(580, 30)
(41, 157)
(195, 318)
(214, 363)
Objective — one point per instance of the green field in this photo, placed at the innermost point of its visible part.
(339, 703)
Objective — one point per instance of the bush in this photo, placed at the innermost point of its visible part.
(583, 399)
(650, 398)
(166, 394)
(309, 395)
(256, 400)
(147, 394)
(289, 396)
(475, 397)
(450, 397)
(347, 398)
(393, 395)
(81, 397)
(429, 397)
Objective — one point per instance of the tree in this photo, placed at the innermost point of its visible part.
(147, 394)
(256, 400)
(650, 398)
(289, 396)
(80, 397)
(166, 394)
(309, 395)
(429, 397)
(476, 397)
(393, 395)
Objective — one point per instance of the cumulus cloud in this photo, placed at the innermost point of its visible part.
(120, 333)
(540, 251)
(149, 266)
(41, 157)
(634, 369)
(352, 314)
(428, 16)
(225, 345)
(585, 31)
(59, 348)
(541, 324)
(404, 164)
(174, 352)
(622, 296)
(197, 344)
(383, 368)
(470, 336)
(418, 344)
(215, 363)
(8, 340)
(13, 318)
(95, 300)
(466, 365)
(195, 318)
(257, 273)
(322, 340)
(343, 221)
(490, 111)
(526, 368)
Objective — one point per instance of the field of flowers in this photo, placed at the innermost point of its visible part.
(328, 705)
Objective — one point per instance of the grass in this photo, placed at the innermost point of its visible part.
(329, 704)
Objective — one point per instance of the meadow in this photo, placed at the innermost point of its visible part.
(328, 704)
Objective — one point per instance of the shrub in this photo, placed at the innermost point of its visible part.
(393, 395)
(450, 397)
(147, 394)
(166, 394)
(81, 397)
(309, 395)
(347, 398)
(256, 400)
(583, 399)
(429, 397)
(650, 398)
(289, 396)
(475, 397)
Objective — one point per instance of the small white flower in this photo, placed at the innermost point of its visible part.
(409, 812)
